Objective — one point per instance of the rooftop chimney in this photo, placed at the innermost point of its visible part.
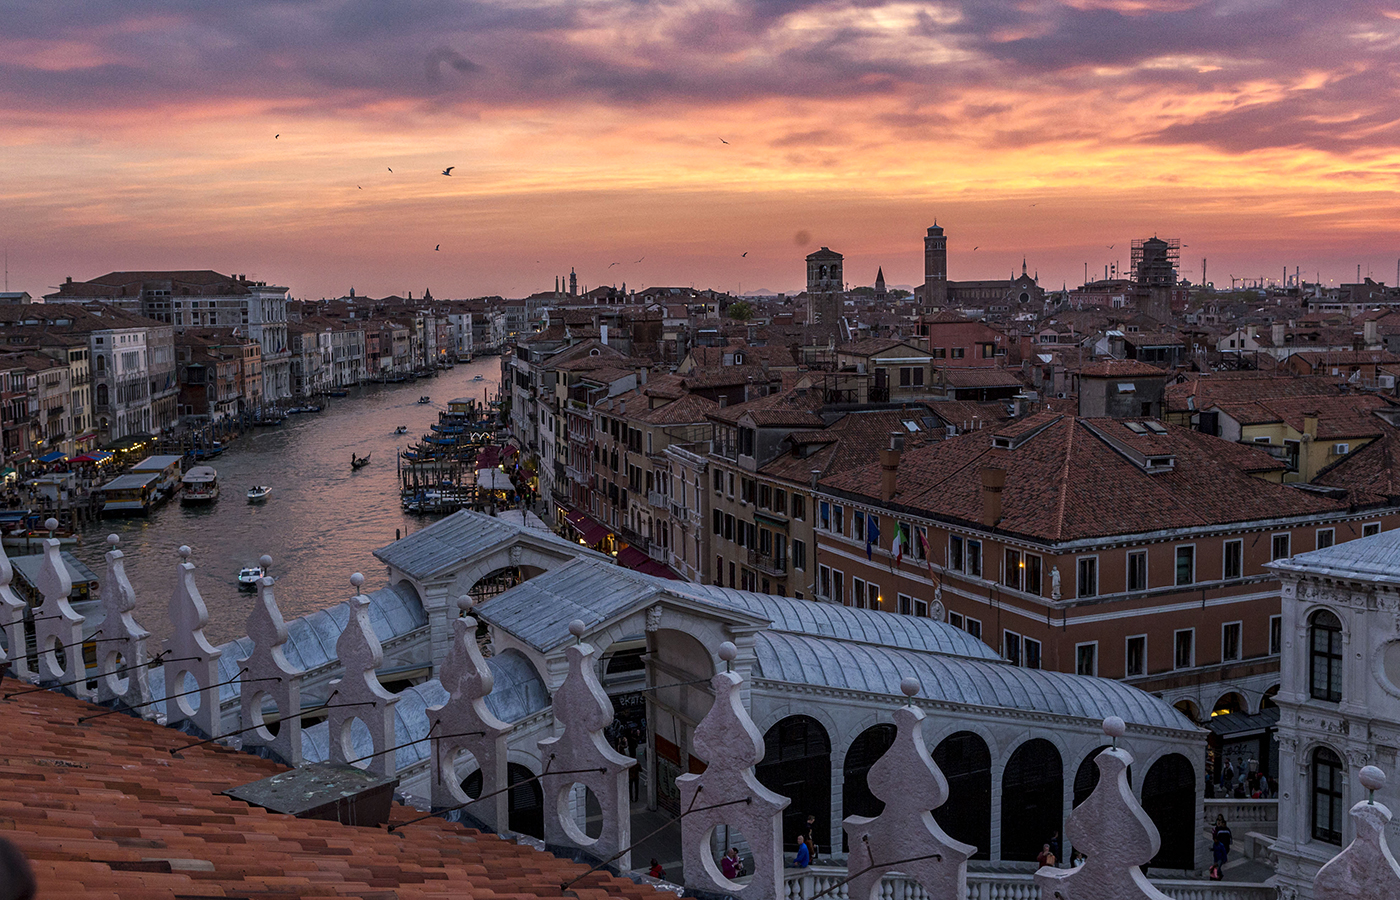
(603, 333)
(1371, 333)
(1276, 332)
(1310, 425)
(889, 466)
(993, 480)
(815, 474)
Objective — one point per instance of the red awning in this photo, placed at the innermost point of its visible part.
(652, 567)
(632, 558)
(576, 519)
(593, 533)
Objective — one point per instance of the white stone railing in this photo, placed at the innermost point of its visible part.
(801, 884)
(1243, 815)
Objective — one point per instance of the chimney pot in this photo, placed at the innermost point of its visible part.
(993, 481)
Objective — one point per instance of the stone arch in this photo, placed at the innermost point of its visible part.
(1188, 708)
(1326, 636)
(1268, 700)
(966, 761)
(1230, 702)
(1032, 798)
(1169, 798)
(797, 765)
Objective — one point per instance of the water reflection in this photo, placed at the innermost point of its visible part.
(321, 522)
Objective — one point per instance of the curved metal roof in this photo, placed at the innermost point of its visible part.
(518, 692)
(1375, 559)
(393, 611)
(828, 662)
(463, 535)
(844, 622)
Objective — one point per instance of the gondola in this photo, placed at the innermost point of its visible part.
(359, 462)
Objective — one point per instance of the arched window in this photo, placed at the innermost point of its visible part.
(525, 800)
(1169, 798)
(797, 764)
(1325, 656)
(865, 750)
(1326, 796)
(967, 816)
(1032, 799)
(101, 363)
(102, 395)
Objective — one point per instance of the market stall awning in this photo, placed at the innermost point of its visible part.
(638, 561)
(493, 480)
(589, 531)
(55, 456)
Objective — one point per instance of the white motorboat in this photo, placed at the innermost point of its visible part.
(258, 493)
(402, 429)
(248, 577)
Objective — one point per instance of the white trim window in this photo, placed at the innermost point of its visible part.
(1086, 658)
(1135, 656)
(1184, 648)
(1087, 580)
(1186, 564)
(1231, 640)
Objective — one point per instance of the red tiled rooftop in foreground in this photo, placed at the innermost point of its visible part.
(102, 810)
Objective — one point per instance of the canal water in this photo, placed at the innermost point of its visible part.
(322, 521)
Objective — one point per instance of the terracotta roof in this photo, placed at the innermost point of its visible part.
(1066, 482)
(1371, 474)
(1344, 357)
(1119, 368)
(102, 810)
(851, 441)
(1244, 386)
(975, 378)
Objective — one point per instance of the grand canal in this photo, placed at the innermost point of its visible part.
(322, 521)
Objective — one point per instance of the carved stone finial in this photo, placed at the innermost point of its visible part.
(265, 561)
(51, 523)
(910, 784)
(1117, 836)
(731, 744)
(12, 622)
(360, 655)
(193, 655)
(1372, 779)
(468, 680)
(728, 652)
(582, 709)
(58, 630)
(356, 580)
(464, 604)
(126, 649)
(1366, 869)
(270, 677)
(184, 551)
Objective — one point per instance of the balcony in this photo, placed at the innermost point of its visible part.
(658, 500)
(767, 564)
(576, 476)
(678, 512)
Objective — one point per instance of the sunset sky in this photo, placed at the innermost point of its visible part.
(145, 135)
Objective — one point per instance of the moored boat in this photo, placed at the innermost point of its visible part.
(359, 462)
(199, 485)
(425, 399)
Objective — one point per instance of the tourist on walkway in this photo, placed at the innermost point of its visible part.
(804, 858)
(811, 835)
(1046, 856)
(1220, 840)
(732, 866)
(656, 870)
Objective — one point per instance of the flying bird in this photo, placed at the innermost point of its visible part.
(974, 248)
(610, 265)
(388, 168)
(277, 135)
(438, 247)
(359, 187)
(1033, 204)
(1110, 246)
(744, 254)
(639, 260)
(448, 170)
(723, 141)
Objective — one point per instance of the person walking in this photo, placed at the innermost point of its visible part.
(1220, 841)
(1046, 856)
(732, 866)
(811, 835)
(656, 870)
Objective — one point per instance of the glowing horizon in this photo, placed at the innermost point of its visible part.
(593, 134)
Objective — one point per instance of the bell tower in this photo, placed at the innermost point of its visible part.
(935, 267)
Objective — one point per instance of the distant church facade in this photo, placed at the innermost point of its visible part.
(939, 291)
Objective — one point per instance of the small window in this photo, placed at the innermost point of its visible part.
(799, 554)
(1275, 635)
(1370, 528)
(1326, 537)
(1185, 649)
(858, 593)
(1234, 559)
(974, 558)
(955, 619)
(1230, 641)
(906, 605)
(974, 627)
(955, 553)
(1137, 570)
(1279, 547)
(1088, 582)
(1032, 579)
(1031, 651)
(1136, 656)
(1086, 658)
(1262, 440)
(799, 506)
(1011, 647)
(1011, 576)
(1186, 564)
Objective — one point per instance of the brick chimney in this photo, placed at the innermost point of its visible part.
(1310, 425)
(993, 480)
(889, 466)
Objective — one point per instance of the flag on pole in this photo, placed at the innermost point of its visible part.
(872, 535)
(897, 548)
(928, 557)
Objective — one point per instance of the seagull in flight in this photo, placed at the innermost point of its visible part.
(448, 170)
(610, 265)
(359, 187)
(388, 168)
(974, 248)
(744, 254)
(438, 247)
(639, 260)
(1110, 246)
(277, 135)
(723, 141)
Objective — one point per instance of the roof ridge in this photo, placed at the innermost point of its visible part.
(1064, 481)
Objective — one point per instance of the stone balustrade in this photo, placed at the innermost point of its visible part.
(1244, 815)
(801, 884)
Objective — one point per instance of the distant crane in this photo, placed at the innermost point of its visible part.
(1233, 279)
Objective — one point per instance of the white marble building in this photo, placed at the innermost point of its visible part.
(1339, 698)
